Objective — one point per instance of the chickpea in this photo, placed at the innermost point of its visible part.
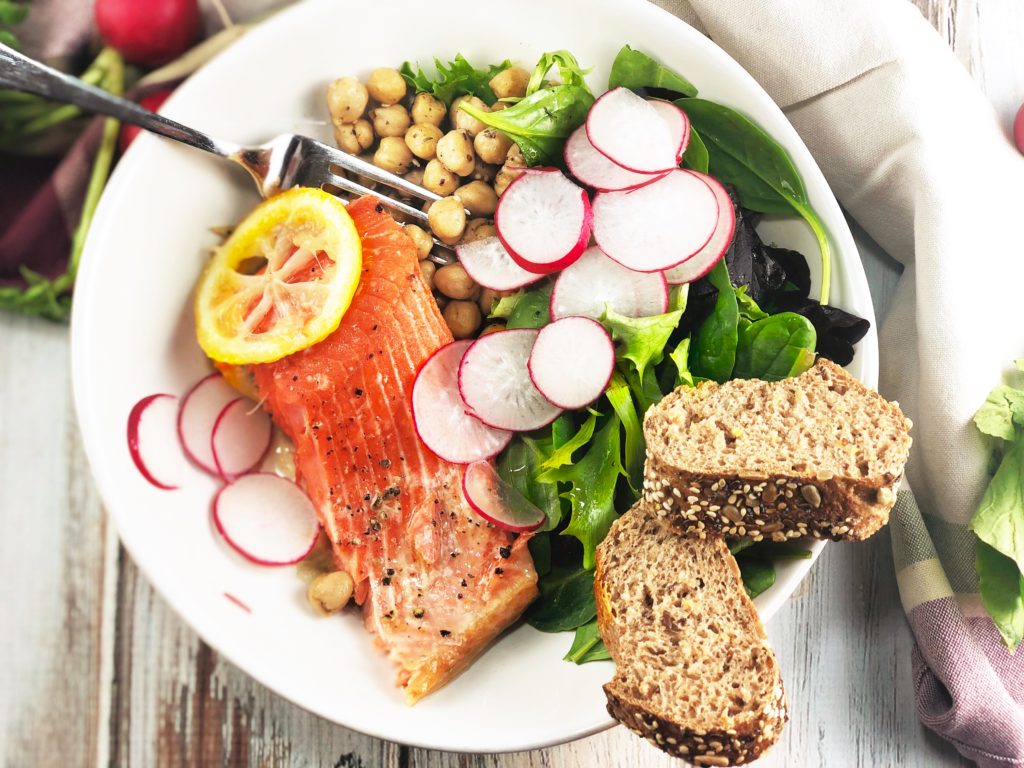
(447, 219)
(492, 328)
(439, 179)
(506, 176)
(354, 138)
(329, 592)
(454, 282)
(423, 241)
(510, 82)
(515, 157)
(346, 100)
(488, 298)
(390, 121)
(479, 229)
(455, 151)
(484, 171)
(393, 155)
(422, 140)
(464, 121)
(463, 318)
(427, 269)
(428, 109)
(478, 197)
(386, 85)
(492, 145)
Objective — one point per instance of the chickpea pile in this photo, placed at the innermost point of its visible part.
(447, 151)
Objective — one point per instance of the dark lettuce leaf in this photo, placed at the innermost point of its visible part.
(837, 329)
(794, 265)
(699, 305)
(751, 263)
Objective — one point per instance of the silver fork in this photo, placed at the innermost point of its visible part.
(286, 161)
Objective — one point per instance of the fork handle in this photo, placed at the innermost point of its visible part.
(21, 73)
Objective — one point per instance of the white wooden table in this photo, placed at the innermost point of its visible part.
(96, 671)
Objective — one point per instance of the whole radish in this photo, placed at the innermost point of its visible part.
(1018, 129)
(151, 101)
(149, 33)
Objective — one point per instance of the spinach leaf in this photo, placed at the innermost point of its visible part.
(758, 574)
(696, 155)
(700, 303)
(566, 600)
(999, 521)
(457, 78)
(641, 340)
(680, 356)
(1002, 414)
(836, 328)
(568, 70)
(519, 466)
(772, 550)
(636, 70)
(532, 309)
(761, 171)
(775, 348)
(587, 645)
(541, 122)
(563, 454)
(591, 494)
(748, 307)
(713, 351)
(621, 399)
(1002, 592)
(540, 551)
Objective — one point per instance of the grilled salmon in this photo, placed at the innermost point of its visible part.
(436, 582)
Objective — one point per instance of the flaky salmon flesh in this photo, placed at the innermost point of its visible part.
(436, 582)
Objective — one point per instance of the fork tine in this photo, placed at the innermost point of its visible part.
(355, 188)
(348, 162)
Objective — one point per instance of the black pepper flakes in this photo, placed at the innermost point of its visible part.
(444, 633)
(375, 525)
(379, 208)
(499, 571)
(464, 584)
(418, 613)
(389, 571)
(386, 581)
(459, 596)
(505, 552)
(385, 463)
(455, 554)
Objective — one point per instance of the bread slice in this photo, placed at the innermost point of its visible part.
(817, 455)
(694, 673)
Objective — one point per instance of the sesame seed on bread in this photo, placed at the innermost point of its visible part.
(694, 673)
(816, 455)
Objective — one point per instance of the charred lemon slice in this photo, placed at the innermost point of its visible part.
(281, 282)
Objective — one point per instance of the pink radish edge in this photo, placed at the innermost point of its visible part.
(189, 435)
(486, 499)
(702, 262)
(594, 259)
(602, 174)
(252, 458)
(134, 447)
(489, 263)
(570, 361)
(597, 113)
(675, 117)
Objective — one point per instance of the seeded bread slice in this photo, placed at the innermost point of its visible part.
(816, 455)
(694, 673)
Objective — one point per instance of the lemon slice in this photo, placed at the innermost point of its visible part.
(281, 282)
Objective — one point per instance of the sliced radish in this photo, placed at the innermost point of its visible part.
(543, 220)
(490, 265)
(267, 519)
(495, 382)
(595, 282)
(572, 361)
(632, 133)
(678, 124)
(701, 262)
(443, 420)
(499, 502)
(595, 170)
(240, 438)
(151, 441)
(199, 411)
(659, 225)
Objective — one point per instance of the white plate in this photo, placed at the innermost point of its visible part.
(133, 335)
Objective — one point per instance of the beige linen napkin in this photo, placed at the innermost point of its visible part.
(915, 153)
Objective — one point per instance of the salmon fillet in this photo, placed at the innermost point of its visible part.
(436, 582)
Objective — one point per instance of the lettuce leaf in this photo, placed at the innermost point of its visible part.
(621, 399)
(1002, 592)
(563, 454)
(457, 78)
(641, 340)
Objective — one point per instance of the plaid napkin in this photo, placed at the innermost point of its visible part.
(917, 156)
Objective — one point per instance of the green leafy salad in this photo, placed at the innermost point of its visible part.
(751, 316)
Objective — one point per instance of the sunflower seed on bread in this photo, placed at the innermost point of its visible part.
(816, 455)
(694, 673)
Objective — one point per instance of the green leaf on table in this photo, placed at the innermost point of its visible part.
(636, 70)
(999, 521)
(562, 455)
(1002, 592)
(587, 645)
(566, 600)
(620, 396)
(1002, 414)
(591, 493)
(696, 155)
(713, 349)
(775, 348)
(456, 78)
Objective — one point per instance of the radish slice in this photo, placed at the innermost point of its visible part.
(443, 420)
(267, 519)
(632, 133)
(701, 262)
(595, 170)
(543, 220)
(572, 361)
(499, 502)
(677, 121)
(657, 226)
(199, 411)
(495, 382)
(240, 438)
(490, 265)
(151, 443)
(595, 282)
